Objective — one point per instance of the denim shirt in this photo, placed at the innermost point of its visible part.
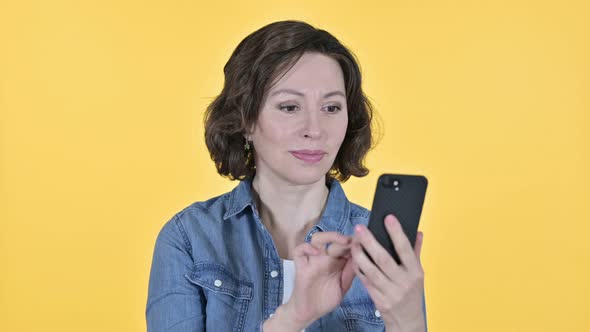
(215, 267)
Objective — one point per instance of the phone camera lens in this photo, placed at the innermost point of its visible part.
(391, 182)
(395, 184)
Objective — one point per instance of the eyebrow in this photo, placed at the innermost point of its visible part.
(295, 92)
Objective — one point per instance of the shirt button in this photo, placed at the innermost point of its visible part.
(274, 274)
(377, 313)
(217, 283)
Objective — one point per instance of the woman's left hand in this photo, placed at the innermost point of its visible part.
(396, 290)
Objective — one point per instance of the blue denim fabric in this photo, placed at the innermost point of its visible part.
(212, 265)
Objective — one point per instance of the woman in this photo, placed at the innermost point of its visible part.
(282, 251)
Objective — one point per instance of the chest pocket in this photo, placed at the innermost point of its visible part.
(361, 315)
(358, 311)
(228, 297)
(362, 310)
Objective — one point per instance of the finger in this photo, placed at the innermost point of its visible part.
(337, 250)
(319, 239)
(400, 242)
(376, 295)
(302, 251)
(380, 256)
(323, 240)
(370, 271)
(418, 245)
(348, 274)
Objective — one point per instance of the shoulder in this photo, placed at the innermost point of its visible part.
(200, 215)
(215, 206)
(358, 215)
(358, 211)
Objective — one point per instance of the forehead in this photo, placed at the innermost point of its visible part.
(312, 72)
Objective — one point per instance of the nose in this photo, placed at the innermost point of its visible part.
(312, 126)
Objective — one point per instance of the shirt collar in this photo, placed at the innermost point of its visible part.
(333, 219)
(239, 198)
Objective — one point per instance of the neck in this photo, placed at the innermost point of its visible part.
(289, 211)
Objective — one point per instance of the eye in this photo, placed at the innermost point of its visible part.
(333, 109)
(288, 108)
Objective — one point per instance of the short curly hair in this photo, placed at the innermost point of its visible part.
(254, 65)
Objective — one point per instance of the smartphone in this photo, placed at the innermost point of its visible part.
(403, 196)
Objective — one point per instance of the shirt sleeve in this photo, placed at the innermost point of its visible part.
(173, 304)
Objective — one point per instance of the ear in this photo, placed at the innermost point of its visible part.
(248, 133)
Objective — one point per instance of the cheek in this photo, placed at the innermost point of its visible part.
(338, 130)
(271, 131)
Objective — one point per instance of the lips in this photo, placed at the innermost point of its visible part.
(309, 156)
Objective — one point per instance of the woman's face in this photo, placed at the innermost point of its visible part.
(302, 122)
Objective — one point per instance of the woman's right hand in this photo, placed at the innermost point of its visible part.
(321, 281)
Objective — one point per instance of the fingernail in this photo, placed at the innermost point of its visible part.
(359, 229)
(390, 220)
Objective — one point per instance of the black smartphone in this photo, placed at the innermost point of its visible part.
(403, 196)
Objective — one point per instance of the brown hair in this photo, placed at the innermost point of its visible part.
(255, 63)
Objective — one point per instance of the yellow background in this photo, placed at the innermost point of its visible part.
(101, 142)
